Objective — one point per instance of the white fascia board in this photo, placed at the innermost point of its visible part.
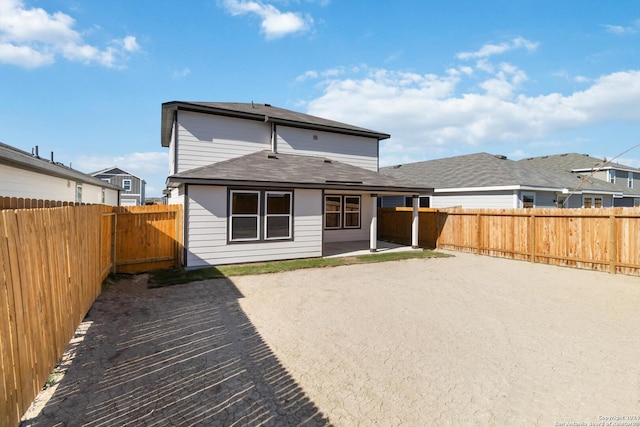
(496, 188)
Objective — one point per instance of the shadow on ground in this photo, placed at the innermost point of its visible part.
(181, 355)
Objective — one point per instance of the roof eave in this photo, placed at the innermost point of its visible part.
(176, 181)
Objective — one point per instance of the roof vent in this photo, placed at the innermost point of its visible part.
(267, 105)
(327, 161)
(501, 156)
(397, 166)
(271, 156)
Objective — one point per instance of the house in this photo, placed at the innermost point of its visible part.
(262, 183)
(484, 180)
(132, 185)
(27, 175)
(625, 178)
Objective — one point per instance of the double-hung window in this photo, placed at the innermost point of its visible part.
(244, 221)
(126, 184)
(260, 215)
(277, 216)
(342, 212)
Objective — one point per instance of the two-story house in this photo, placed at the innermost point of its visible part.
(263, 183)
(625, 179)
(133, 187)
(29, 176)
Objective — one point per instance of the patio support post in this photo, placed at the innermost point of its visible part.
(373, 231)
(415, 222)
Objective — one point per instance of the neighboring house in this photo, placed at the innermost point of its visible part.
(133, 186)
(263, 183)
(625, 178)
(26, 175)
(484, 180)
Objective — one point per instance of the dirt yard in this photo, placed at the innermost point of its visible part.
(466, 340)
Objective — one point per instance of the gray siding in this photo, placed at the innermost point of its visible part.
(353, 150)
(206, 234)
(486, 199)
(205, 139)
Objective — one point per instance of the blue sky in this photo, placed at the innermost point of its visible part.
(86, 79)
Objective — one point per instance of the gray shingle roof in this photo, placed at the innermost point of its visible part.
(483, 170)
(260, 112)
(573, 162)
(265, 169)
(581, 163)
(21, 159)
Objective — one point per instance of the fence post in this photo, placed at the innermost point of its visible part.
(478, 233)
(612, 244)
(532, 238)
(113, 241)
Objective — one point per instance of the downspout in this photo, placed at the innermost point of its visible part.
(274, 136)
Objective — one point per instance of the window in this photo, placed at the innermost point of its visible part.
(352, 212)
(102, 197)
(630, 180)
(277, 217)
(79, 193)
(560, 202)
(247, 214)
(612, 176)
(332, 212)
(106, 180)
(342, 212)
(528, 200)
(126, 184)
(591, 202)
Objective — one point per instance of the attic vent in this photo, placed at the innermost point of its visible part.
(271, 156)
(397, 166)
(327, 161)
(501, 156)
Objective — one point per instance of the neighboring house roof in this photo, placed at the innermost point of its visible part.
(574, 162)
(114, 170)
(266, 169)
(582, 164)
(17, 158)
(484, 171)
(260, 112)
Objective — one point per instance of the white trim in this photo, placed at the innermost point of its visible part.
(231, 216)
(268, 215)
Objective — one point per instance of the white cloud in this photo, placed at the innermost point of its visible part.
(426, 113)
(32, 38)
(274, 24)
(182, 73)
(621, 30)
(495, 49)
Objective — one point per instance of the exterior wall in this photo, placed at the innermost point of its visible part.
(353, 150)
(352, 234)
(543, 199)
(207, 225)
(486, 199)
(204, 139)
(607, 200)
(22, 183)
(93, 194)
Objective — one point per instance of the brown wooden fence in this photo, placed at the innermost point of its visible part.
(597, 239)
(22, 203)
(52, 265)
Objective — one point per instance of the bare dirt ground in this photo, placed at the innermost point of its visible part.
(466, 340)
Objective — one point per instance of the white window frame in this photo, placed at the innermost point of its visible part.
(528, 194)
(78, 193)
(592, 199)
(345, 212)
(630, 179)
(124, 184)
(267, 215)
(612, 176)
(232, 216)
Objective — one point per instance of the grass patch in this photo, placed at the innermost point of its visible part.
(161, 278)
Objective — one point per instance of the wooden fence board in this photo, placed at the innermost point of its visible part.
(597, 239)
